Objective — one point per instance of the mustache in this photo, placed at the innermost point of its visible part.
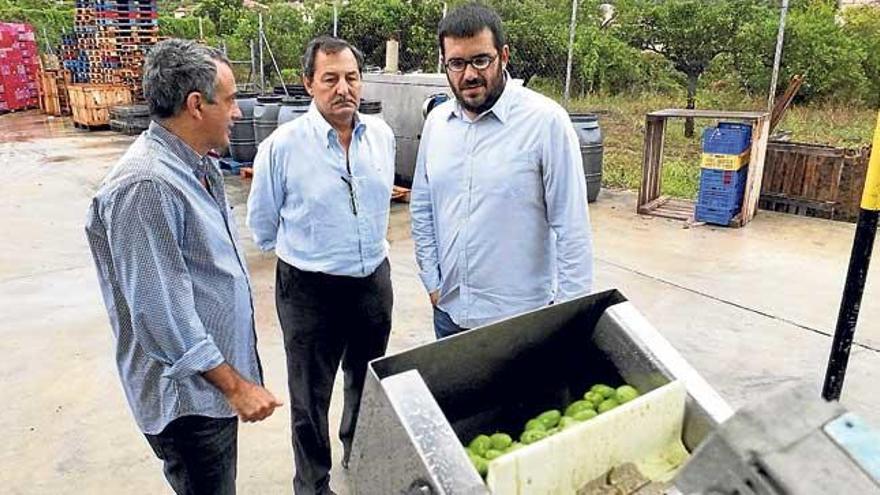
(473, 83)
(337, 101)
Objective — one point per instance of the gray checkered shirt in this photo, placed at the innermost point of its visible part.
(173, 278)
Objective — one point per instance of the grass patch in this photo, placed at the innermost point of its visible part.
(622, 119)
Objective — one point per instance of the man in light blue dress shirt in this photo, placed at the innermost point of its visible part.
(320, 199)
(173, 274)
(499, 203)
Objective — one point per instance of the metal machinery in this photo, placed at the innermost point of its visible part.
(420, 404)
(403, 96)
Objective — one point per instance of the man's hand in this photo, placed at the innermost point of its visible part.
(435, 297)
(250, 401)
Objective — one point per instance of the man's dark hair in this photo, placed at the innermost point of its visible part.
(327, 45)
(468, 21)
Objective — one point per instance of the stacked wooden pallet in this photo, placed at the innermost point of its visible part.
(53, 92)
(110, 40)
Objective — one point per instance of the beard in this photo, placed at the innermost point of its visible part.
(492, 92)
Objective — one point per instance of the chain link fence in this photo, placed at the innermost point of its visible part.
(553, 49)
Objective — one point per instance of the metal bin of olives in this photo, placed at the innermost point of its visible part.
(591, 375)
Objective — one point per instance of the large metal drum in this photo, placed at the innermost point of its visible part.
(242, 146)
(592, 151)
(371, 107)
(266, 116)
(292, 108)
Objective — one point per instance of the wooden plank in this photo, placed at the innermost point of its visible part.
(774, 158)
(811, 184)
(799, 202)
(852, 183)
(760, 137)
(826, 189)
(653, 205)
(781, 158)
(708, 114)
(794, 85)
(655, 129)
(796, 186)
(666, 207)
(815, 149)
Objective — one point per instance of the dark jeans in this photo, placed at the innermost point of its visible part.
(328, 319)
(199, 454)
(443, 324)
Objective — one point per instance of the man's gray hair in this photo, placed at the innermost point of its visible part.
(175, 68)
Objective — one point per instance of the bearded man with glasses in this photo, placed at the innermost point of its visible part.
(499, 202)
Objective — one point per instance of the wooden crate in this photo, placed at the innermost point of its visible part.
(814, 180)
(50, 101)
(653, 202)
(90, 103)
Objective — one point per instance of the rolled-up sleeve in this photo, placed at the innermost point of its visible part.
(266, 198)
(565, 193)
(144, 232)
(422, 214)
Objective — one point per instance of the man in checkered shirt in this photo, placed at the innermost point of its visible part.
(173, 275)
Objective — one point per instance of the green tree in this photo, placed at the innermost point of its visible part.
(186, 27)
(815, 46)
(368, 24)
(223, 13)
(537, 32)
(49, 19)
(862, 26)
(688, 33)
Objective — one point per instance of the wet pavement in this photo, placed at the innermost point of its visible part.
(752, 309)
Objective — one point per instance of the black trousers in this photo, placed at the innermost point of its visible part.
(328, 319)
(199, 454)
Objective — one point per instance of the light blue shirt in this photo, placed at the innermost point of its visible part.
(174, 280)
(499, 208)
(318, 209)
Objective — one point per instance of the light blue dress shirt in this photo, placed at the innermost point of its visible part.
(318, 209)
(174, 280)
(499, 208)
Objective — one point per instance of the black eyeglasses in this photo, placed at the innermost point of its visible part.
(480, 62)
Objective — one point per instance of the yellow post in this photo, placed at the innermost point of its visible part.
(871, 196)
(859, 261)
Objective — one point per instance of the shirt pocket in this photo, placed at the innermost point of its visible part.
(373, 201)
(514, 176)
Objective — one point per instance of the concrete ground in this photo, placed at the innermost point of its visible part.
(751, 309)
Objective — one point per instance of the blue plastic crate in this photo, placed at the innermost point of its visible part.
(729, 138)
(721, 199)
(718, 216)
(723, 180)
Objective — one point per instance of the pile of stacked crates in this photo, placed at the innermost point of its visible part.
(723, 173)
(19, 67)
(110, 40)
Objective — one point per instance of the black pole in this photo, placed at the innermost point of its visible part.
(860, 260)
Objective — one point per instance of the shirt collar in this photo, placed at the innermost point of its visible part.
(178, 147)
(501, 108)
(327, 131)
